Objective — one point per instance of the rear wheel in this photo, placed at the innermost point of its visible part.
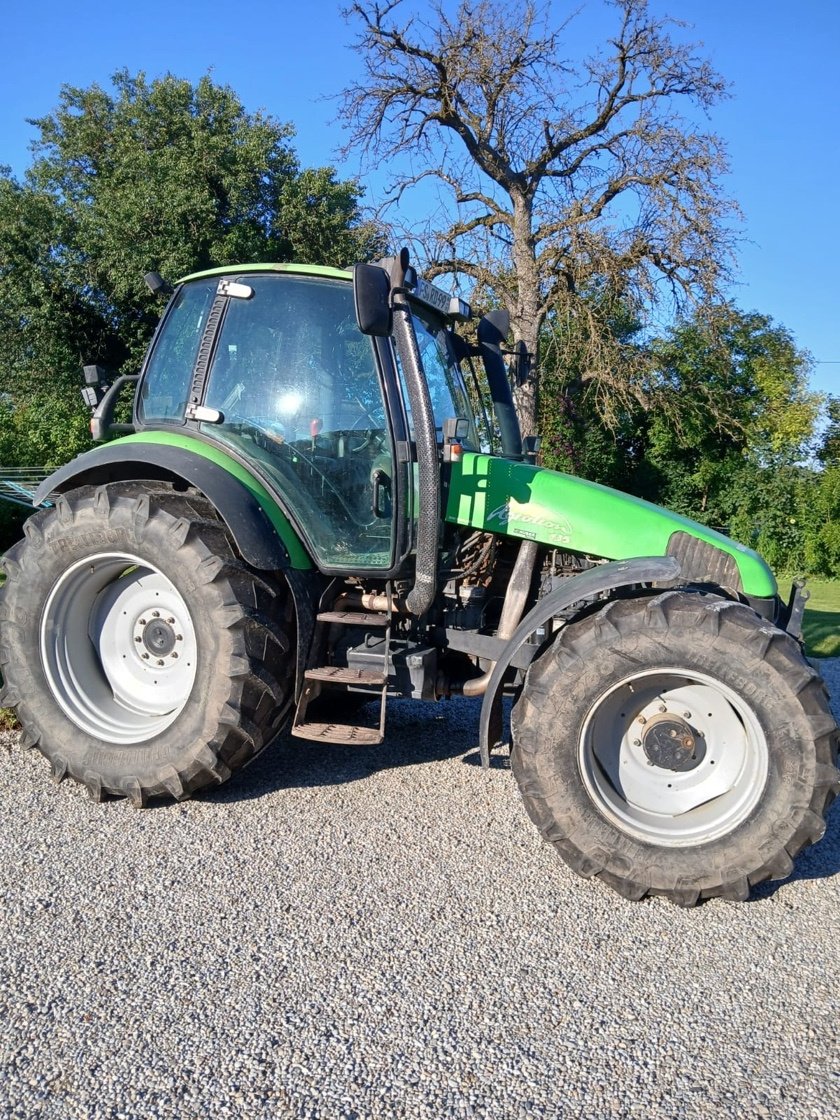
(678, 745)
(143, 656)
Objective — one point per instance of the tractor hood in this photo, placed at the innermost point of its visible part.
(560, 510)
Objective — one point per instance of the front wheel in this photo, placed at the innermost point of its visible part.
(677, 745)
(144, 657)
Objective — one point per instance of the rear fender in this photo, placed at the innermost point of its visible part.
(265, 542)
(595, 581)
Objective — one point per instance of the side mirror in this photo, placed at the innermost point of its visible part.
(372, 299)
(157, 285)
(494, 326)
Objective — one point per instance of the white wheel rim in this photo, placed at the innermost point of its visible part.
(687, 796)
(118, 647)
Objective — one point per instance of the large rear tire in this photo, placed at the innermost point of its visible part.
(143, 656)
(678, 745)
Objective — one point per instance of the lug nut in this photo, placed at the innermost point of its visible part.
(174, 654)
(179, 637)
(160, 663)
(686, 715)
(138, 639)
(642, 719)
(145, 657)
(637, 742)
(170, 621)
(155, 614)
(662, 708)
(142, 622)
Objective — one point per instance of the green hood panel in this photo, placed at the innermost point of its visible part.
(520, 500)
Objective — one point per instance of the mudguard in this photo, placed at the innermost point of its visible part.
(595, 581)
(262, 533)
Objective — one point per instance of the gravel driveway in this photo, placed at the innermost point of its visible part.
(380, 932)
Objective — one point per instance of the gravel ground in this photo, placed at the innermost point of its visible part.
(381, 933)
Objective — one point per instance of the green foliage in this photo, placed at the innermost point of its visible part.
(718, 429)
(741, 390)
(591, 425)
(828, 451)
(8, 720)
(770, 514)
(822, 544)
(44, 431)
(151, 175)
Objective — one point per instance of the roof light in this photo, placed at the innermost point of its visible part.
(459, 309)
(234, 290)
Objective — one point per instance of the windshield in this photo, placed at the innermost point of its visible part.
(169, 370)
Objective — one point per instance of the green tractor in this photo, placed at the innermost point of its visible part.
(300, 522)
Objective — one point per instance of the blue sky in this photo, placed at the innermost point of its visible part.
(781, 124)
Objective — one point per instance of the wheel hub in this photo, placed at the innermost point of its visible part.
(670, 743)
(157, 635)
(673, 756)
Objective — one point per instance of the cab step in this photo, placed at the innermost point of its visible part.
(324, 682)
(339, 733)
(335, 674)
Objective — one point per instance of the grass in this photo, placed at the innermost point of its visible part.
(821, 625)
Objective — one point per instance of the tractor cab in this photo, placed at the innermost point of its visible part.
(271, 365)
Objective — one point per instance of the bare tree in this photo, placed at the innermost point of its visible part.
(566, 177)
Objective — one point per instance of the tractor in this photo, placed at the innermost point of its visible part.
(322, 500)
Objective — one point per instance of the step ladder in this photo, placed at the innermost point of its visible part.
(322, 681)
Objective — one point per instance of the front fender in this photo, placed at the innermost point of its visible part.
(595, 581)
(263, 534)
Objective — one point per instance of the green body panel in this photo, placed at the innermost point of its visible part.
(520, 500)
(297, 553)
(297, 269)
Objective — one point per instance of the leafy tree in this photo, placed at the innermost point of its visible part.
(771, 512)
(740, 387)
(727, 422)
(822, 544)
(587, 428)
(828, 450)
(563, 176)
(150, 175)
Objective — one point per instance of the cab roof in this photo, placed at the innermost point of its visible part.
(298, 269)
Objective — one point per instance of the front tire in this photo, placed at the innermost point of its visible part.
(144, 657)
(677, 745)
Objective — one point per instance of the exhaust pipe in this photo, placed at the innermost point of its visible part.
(513, 608)
(422, 594)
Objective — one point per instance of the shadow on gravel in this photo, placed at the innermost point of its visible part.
(425, 732)
(419, 733)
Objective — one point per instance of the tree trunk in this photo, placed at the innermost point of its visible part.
(526, 315)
